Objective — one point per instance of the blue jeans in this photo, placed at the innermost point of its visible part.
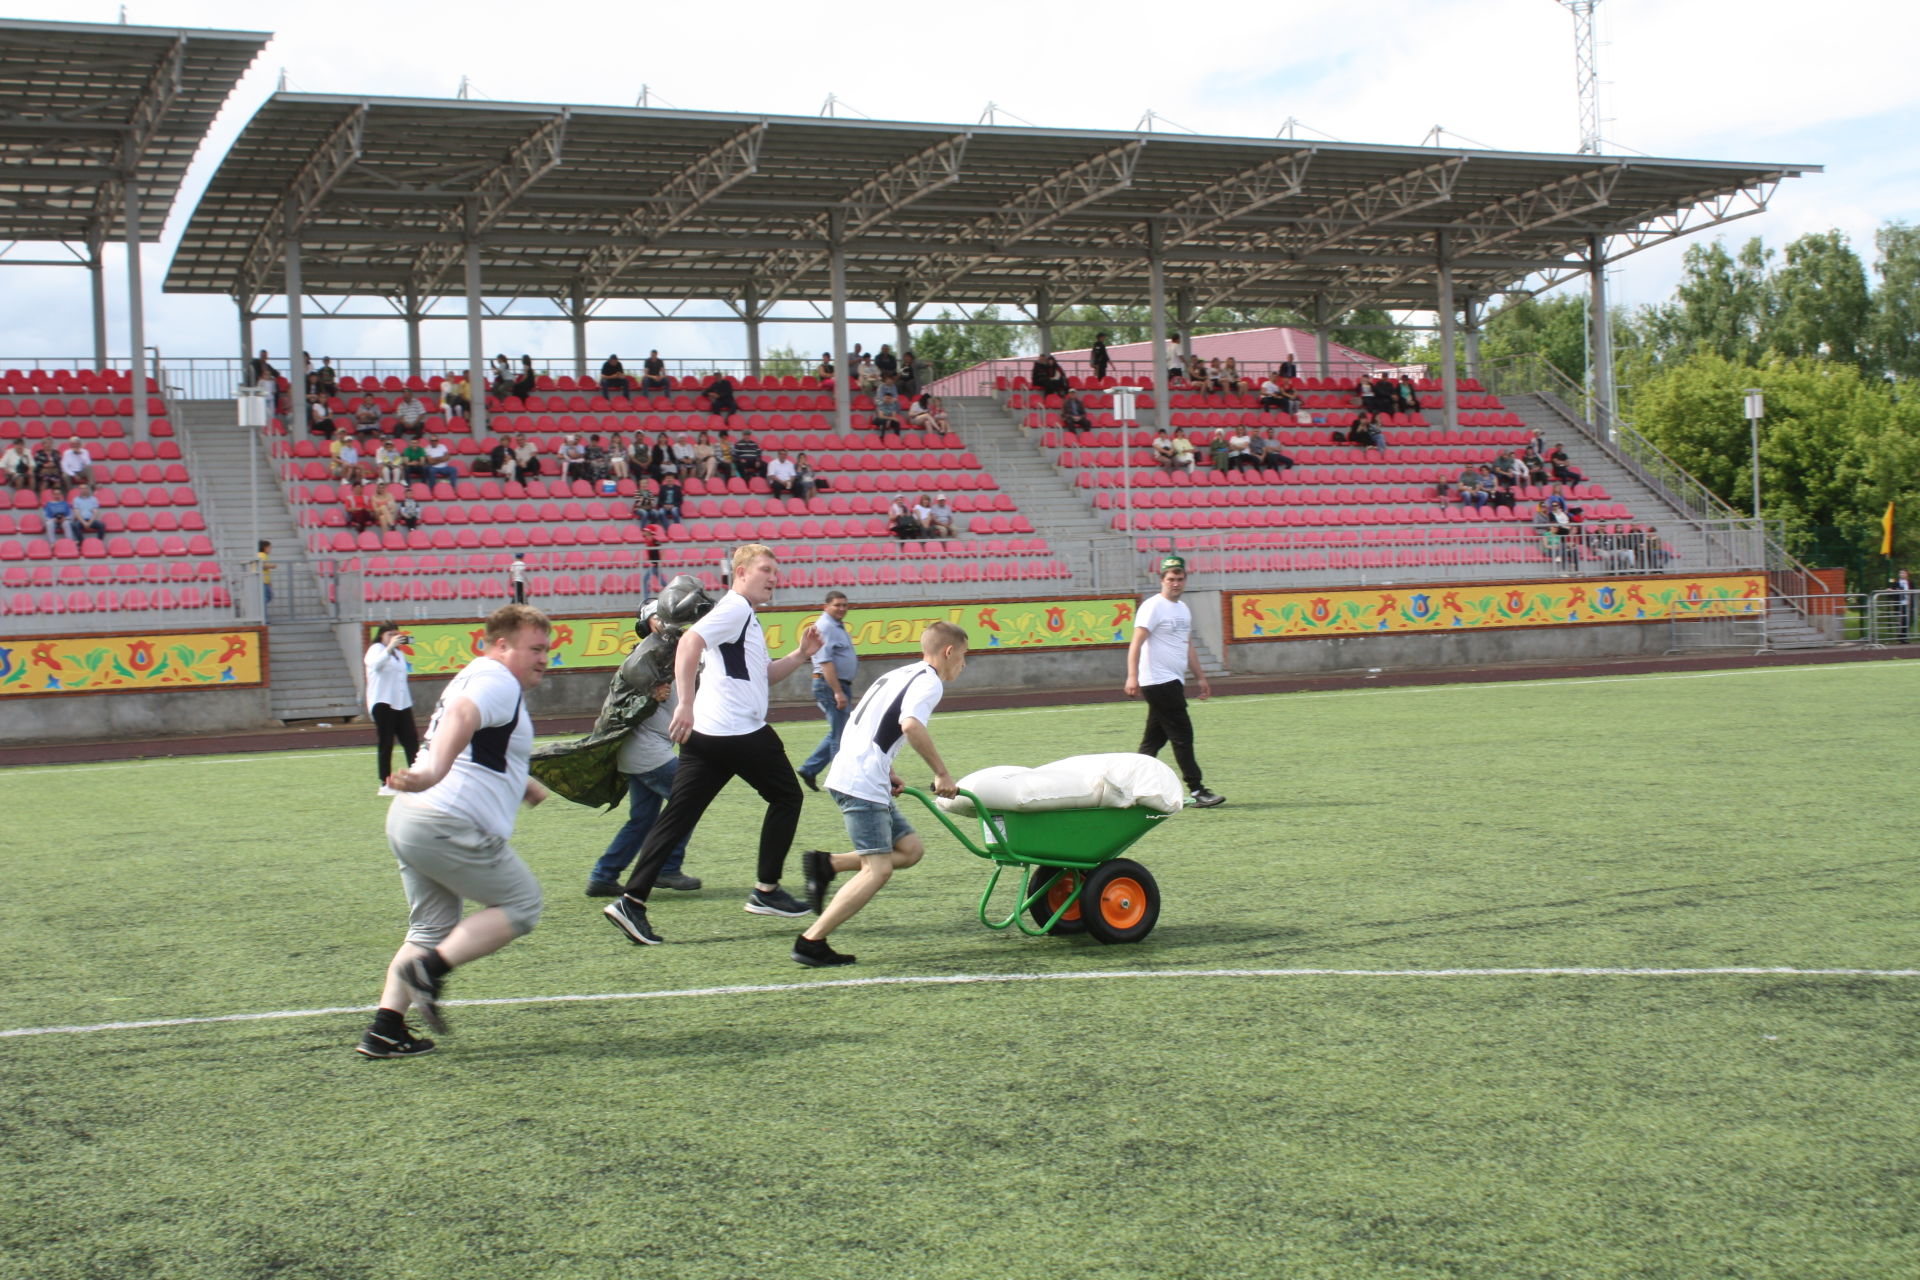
(646, 792)
(836, 721)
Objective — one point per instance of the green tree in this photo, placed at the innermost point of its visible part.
(1388, 346)
(1555, 328)
(953, 345)
(1818, 301)
(1720, 306)
(786, 362)
(1896, 303)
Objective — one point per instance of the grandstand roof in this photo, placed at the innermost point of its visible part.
(81, 102)
(637, 202)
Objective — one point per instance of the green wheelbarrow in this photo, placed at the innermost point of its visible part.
(1072, 877)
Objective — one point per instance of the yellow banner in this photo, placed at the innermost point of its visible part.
(33, 666)
(1289, 615)
(600, 643)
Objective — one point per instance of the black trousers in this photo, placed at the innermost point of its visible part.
(707, 765)
(395, 725)
(1167, 721)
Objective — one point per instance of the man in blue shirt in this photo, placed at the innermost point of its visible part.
(58, 515)
(86, 514)
(833, 670)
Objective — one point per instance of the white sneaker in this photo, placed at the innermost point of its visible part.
(386, 791)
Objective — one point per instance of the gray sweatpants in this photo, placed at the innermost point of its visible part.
(445, 859)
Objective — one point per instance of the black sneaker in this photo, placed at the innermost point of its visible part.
(407, 1045)
(1205, 799)
(809, 779)
(604, 889)
(630, 918)
(816, 954)
(774, 902)
(675, 880)
(819, 869)
(425, 990)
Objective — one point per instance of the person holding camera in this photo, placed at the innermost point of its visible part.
(389, 700)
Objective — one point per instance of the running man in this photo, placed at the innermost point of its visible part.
(1158, 660)
(863, 782)
(450, 828)
(723, 734)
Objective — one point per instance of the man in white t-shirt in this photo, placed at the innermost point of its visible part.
(723, 734)
(389, 700)
(450, 829)
(1158, 660)
(863, 783)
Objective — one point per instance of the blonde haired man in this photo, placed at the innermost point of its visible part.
(723, 734)
(451, 824)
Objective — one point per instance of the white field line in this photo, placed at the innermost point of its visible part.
(962, 979)
(269, 757)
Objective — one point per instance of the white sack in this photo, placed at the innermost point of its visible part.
(1117, 780)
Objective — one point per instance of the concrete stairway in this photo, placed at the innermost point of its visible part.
(310, 672)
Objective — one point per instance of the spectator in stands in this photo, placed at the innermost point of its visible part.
(57, 514)
(900, 519)
(1240, 450)
(497, 461)
(856, 358)
(599, 462)
(886, 411)
(499, 376)
(679, 459)
(660, 460)
(1365, 432)
(1163, 450)
(386, 512)
(672, 498)
(1230, 380)
(76, 464)
(1500, 487)
(914, 373)
(746, 456)
(387, 462)
(1098, 357)
(260, 371)
(1196, 375)
(524, 384)
(613, 377)
(1562, 470)
(438, 465)
(17, 465)
(887, 363)
(705, 462)
(343, 455)
(409, 512)
(1289, 371)
(413, 462)
(1218, 450)
(1506, 467)
(1472, 494)
(1363, 391)
(646, 505)
(824, 370)
(780, 473)
(1654, 552)
(719, 394)
(940, 517)
(1048, 377)
(653, 375)
(353, 501)
(46, 467)
(1273, 396)
(1537, 472)
(412, 414)
(573, 459)
(930, 415)
(526, 459)
(1073, 414)
(804, 484)
(1267, 455)
(86, 514)
(456, 395)
(325, 381)
(366, 413)
(319, 416)
(1406, 398)
(866, 372)
(1182, 450)
(923, 514)
(619, 461)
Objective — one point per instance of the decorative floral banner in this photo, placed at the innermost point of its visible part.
(35, 666)
(1290, 615)
(600, 643)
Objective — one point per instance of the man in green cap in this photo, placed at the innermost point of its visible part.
(1158, 660)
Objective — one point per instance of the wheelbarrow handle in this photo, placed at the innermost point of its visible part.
(988, 837)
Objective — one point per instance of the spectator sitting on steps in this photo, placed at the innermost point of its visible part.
(353, 501)
(411, 413)
(366, 412)
(653, 375)
(780, 473)
(719, 394)
(1073, 414)
(746, 456)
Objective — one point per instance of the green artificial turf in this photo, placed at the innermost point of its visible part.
(1206, 1126)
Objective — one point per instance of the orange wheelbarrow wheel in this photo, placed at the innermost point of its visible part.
(1121, 902)
(1062, 887)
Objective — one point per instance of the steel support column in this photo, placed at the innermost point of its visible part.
(1320, 345)
(136, 309)
(1043, 318)
(1600, 339)
(1471, 333)
(413, 334)
(750, 317)
(476, 345)
(245, 307)
(1157, 332)
(837, 287)
(1183, 314)
(97, 269)
(577, 317)
(296, 339)
(1449, 370)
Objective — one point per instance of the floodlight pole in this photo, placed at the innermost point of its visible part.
(1756, 407)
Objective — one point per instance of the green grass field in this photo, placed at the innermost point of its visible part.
(1074, 1125)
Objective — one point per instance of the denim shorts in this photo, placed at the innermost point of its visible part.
(873, 826)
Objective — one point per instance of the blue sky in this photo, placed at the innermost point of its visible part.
(1760, 81)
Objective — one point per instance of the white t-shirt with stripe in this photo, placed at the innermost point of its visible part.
(489, 779)
(732, 697)
(873, 736)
